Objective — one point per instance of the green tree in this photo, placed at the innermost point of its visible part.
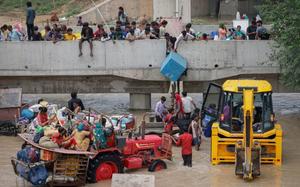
(285, 16)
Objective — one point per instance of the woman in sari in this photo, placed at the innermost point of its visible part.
(79, 135)
(42, 119)
(99, 135)
(179, 109)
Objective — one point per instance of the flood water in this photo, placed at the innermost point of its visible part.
(286, 106)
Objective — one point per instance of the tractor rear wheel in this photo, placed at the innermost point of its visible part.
(157, 165)
(103, 167)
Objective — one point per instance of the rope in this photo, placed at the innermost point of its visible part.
(101, 16)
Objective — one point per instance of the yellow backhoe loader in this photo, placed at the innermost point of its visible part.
(243, 127)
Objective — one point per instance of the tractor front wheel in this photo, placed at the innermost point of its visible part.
(103, 167)
(157, 165)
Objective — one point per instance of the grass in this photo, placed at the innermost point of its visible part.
(40, 6)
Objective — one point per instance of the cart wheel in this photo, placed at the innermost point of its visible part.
(157, 165)
(103, 167)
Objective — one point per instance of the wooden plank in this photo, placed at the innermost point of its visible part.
(155, 125)
(132, 180)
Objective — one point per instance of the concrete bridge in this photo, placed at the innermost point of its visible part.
(44, 67)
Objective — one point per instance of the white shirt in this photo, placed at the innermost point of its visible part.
(2, 36)
(181, 37)
(137, 31)
(146, 36)
(104, 39)
(123, 20)
(187, 104)
(192, 31)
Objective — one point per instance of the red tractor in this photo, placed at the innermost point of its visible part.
(132, 152)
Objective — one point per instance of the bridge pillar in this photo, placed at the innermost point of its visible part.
(140, 101)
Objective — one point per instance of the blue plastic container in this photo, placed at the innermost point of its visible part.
(27, 114)
(37, 174)
(173, 66)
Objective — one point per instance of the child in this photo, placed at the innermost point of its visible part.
(167, 120)
(80, 23)
(57, 36)
(48, 34)
(112, 30)
(97, 37)
(105, 37)
(76, 106)
(70, 36)
(196, 130)
(58, 139)
(185, 140)
(37, 35)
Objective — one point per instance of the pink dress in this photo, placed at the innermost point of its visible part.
(222, 33)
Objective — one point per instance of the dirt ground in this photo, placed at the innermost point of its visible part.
(12, 17)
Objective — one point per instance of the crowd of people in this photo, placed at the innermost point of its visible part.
(124, 30)
(181, 112)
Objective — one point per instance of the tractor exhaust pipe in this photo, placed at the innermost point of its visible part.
(143, 126)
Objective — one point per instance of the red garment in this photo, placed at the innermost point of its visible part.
(185, 140)
(72, 141)
(178, 99)
(42, 119)
(58, 137)
(169, 124)
(97, 32)
(59, 140)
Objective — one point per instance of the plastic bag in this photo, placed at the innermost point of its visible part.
(258, 17)
(238, 16)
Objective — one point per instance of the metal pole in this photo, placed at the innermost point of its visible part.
(101, 16)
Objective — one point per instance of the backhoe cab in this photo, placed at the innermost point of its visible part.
(244, 130)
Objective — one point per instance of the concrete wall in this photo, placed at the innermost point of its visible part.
(165, 8)
(44, 67)
(199, 7)
(45, 58)
(140, 60)
(243, 7)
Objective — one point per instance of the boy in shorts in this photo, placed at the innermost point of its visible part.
(86, 35)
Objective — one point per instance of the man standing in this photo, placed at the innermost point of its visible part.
(30, 15)
(196, 130)
(185, 140)
(122, 16)
(75, 99)
(86, 35)
(187, 107)
(260, 30)
(251, 30)
(159, 109)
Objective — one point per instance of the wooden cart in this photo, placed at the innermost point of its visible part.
(68, 167)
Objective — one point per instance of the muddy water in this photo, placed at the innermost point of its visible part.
(287, 107)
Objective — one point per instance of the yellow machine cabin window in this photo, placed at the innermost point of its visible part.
(234, 114)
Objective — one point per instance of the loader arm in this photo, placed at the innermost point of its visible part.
(247, 152)
(248, 131)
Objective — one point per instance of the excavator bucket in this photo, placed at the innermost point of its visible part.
(240, 160)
